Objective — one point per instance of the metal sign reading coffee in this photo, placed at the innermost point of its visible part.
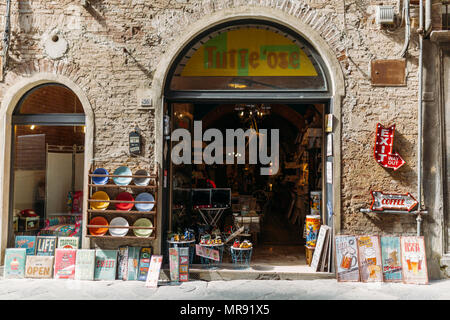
(384, 140)
(401, 202)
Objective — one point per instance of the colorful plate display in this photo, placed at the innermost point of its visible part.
(100, 180)
(122, 171)
(143, 222)
(141, 181)
(144, 196)
(98, 231)
(119, 222)
(100, 195)
(124, 196)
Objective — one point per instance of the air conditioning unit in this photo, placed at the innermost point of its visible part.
(385, 15)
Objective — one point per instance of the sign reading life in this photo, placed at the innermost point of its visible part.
(249, 52)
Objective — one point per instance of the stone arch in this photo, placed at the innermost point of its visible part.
(17, 83)
(317, 28)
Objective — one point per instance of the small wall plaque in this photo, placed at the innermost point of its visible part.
(388, 72)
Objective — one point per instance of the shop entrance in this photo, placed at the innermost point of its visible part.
(249, 77)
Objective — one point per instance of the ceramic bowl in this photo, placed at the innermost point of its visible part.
(100, 180)
(144, 196)
(119, 222)
(141, 181)
(143, 222)
(122, 171)
(98, 231)
(124, 196)
(100, 195)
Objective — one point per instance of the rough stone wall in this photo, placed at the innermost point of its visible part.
(114, 48)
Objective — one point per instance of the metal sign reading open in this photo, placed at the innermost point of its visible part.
(384, 140)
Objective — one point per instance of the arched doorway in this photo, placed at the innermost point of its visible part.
(256, 69)
(47, 163)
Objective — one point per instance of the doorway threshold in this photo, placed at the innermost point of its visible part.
(228, 271)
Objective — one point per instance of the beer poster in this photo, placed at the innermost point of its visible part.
(391, 259)
(414, 260)
(68, 242)
(105, 264)
(45, 245)
(39, 267)
(347, 268)
(369, 255)
(84, 264)
(14, 267)
(64, 267)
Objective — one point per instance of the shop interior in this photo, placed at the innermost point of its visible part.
(48, 163)
(271, 208)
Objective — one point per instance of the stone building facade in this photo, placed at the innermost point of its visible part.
(112, 53)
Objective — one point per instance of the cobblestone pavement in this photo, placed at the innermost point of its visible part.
(327, 289)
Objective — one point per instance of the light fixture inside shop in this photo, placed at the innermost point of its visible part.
(32, 127)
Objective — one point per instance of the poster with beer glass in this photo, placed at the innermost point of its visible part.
(414, 260)
(390, 255)
(347, 266)
(369, 253)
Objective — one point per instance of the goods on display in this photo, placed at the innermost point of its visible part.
(122, 263)
(312, 229)
(174, 264)
(153, 273)
(391, 258)
(144, 196)
(98, 221)
(319, 255)
(65, 260)
(141, 181)
(144, 263)
(143, 222)
(105, 264)
(122, 171)
(414, 260)
(100, 205)
(45, 245)
(118, 222)
(133, 262)
(68, 242)
(100, 180)
(27, 242)
(14, 267)
(125, 206)
(39, 267)
(369, 253)
(347, 268)
(85, 264)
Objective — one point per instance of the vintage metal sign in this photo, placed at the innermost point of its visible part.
(383, 152)
(392, 201)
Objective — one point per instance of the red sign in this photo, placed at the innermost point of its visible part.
(384, 141)
(393, 201)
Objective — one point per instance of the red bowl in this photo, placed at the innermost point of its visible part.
(124, 196)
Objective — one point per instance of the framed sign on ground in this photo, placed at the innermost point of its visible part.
(347, 266)
(369, 254)
(391, 259)
(414, 260)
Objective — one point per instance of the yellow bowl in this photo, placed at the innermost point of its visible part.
(100, 195)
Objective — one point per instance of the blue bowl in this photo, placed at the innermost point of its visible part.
(144, 196)
(100, 180)
(122, 171)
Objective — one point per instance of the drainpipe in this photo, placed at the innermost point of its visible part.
(6, 37)
(407, 28)
(427, 30)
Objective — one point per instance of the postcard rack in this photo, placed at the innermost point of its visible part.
(111, 212)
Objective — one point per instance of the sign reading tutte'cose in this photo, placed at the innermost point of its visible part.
(384, 140)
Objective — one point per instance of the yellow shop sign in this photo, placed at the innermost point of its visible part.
(249, 52)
